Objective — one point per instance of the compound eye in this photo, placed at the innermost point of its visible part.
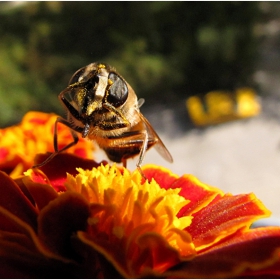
(118, 91)
(77, 75)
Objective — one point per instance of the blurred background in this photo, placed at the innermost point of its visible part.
(209, 72)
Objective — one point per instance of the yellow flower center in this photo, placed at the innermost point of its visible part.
(123, 207)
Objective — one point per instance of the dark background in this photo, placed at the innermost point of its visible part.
(167, 51)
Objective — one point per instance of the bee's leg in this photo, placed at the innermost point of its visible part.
(73, 133)
(141, 172)
(55, 142)
(124, 162)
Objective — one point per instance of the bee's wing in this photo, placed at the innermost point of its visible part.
(141, 101)
(159, 146)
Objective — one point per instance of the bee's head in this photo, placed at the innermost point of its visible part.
(92, 88)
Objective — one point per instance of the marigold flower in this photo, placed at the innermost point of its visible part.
(20, 143)
(99, 220)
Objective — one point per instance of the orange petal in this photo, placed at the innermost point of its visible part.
(20, 143)
(34, 118)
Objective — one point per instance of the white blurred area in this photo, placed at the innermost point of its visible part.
(237, 157)
(241, 156)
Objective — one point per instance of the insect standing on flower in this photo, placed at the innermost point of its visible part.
(103, 107)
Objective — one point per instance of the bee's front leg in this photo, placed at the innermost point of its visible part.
(55, 142)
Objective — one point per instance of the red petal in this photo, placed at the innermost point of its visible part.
(148, 254)
(161, 175)
(255, 250)
(199, 194)
(61, 164)
(224, 216)
(13, 200)
(80, 152)
(160, 256)
(192, 189)
(17, 256)
(272, 271)
(3, 153)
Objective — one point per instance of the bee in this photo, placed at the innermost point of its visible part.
(102, 106)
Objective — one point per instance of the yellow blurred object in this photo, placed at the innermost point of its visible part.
(221, 106)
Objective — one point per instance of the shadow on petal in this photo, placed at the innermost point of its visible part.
(13, 200)
(255, 250)
(61, 219)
